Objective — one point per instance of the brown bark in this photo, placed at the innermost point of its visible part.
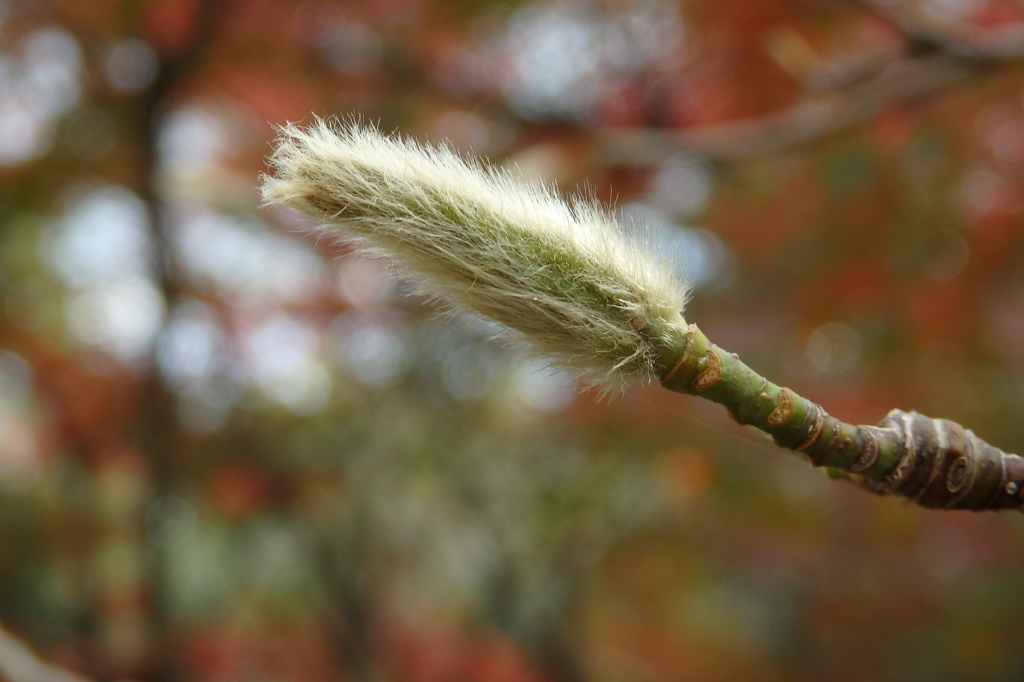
(935, 463)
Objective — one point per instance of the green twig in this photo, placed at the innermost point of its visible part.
(934, 462)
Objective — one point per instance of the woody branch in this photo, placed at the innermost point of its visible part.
(935, 463)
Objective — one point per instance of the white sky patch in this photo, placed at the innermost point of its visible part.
(468, 372)
(372, 349)
(40, 83)
(121, 318)
(194, 357)
(462, 349)
(100, 248)
(559, 56)
(102, 236)
(193, 346)
(541, 387)
(193, 139)
(702, 256)
(23, 134)
(682, 185)
(364, 282)
(282, 357)
(51, 69)
(245, 259)
(554, 52)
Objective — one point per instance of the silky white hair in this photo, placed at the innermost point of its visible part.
(588, 295)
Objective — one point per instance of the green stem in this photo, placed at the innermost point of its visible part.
(933, 462)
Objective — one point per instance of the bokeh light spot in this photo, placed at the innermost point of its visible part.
(281, 355)
(834, 348)
(130, 65)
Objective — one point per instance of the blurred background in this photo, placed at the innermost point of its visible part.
(230, 452)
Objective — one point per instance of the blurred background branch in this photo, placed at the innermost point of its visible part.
(898, 83)
(943, 26)
(963, 49)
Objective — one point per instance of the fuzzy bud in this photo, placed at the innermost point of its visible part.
(593, 298)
